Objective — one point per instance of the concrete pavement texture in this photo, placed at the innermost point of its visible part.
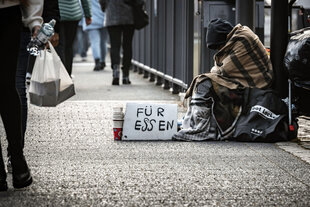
(75, 161)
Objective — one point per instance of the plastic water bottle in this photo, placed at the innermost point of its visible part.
(45, 33)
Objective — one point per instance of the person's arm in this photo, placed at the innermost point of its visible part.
(32, 15)
(87, 11)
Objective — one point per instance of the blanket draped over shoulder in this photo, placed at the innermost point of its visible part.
(242, 62)
(216, 97)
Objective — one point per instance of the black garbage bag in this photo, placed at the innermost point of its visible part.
(297, 63)
(297, 58)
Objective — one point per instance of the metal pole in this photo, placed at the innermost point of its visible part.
(278, 44)
(290, 5)
(245, 13)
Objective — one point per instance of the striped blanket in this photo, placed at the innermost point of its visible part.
(242, 62)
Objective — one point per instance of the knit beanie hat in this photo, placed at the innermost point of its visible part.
(217, 32)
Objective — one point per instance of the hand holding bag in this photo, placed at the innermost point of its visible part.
(50, 83)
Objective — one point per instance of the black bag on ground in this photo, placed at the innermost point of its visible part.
(264, 117)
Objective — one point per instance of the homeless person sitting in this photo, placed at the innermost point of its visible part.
(234, 101)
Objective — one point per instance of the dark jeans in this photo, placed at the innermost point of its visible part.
(67, 33)
(117, 34)
(10, 106)
(21, 75)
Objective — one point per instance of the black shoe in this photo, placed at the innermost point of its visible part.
(97, 65)
(115, 74)
(22, 180)
(3, 186)
(97, 68)
(102, 65)
(9, 165)
(115, 81)
(3, 183)
(126, 81)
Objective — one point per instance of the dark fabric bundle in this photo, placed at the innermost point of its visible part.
(297, 58)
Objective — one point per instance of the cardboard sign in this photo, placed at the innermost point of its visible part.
(148, 121)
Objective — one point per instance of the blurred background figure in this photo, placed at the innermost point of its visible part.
(98, 35)
(70, 15)
(119, 21)
(10, 106)
(81, 42)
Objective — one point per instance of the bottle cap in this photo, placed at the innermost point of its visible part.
(52, 22)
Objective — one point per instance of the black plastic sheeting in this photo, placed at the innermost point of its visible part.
(297, 64)
(297, 58)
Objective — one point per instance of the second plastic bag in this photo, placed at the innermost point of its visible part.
(50, 82)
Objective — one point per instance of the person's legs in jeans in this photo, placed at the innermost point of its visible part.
(10, 108)
(76, 42)
(21, 76)
(128, 32)
(94, 37)
(23, 57)
(84, 44)
(66, 38)
(103, 44)
(80, 43)
(61, 43)
(70, 33)
(115, 34)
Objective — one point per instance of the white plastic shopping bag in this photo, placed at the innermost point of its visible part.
(50, 82)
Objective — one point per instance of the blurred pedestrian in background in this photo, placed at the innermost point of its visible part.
(26, 62)
(10, 106)
(70, 15)
(98, 35)
(119, 21)
(81, 42)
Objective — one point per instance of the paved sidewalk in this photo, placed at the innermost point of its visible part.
(76, 162)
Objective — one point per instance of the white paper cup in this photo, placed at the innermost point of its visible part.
(118, 117)
(117, 109)
(118, 123)
(117, 129)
